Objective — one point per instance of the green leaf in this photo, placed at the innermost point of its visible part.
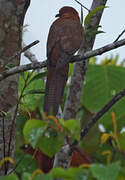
(43, 177)
(81, 15)
(71, 66)
(26, 176)
(27, 163)
(121, 141)
(9, 177)
(21, 120)
(92, 34)
(70, 174)
(78, 173)
(102, 172)
(9, 66)
(94, 28)
(59, 172)
(101, 85)
(91, 14)
(110, 61)
(50, 145)
(34, 136)
(31, 101)
(31, 127)
(72, 126)
(38, 76)
(121, 175)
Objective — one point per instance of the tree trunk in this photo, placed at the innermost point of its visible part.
(79, 72)
(74, 92)
(11, 22)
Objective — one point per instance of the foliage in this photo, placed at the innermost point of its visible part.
(102, 82)
(99, 171)
(31, 88)
(47, 134)
(104, 159)
(102, 172)
(90, 32)
(91, 14)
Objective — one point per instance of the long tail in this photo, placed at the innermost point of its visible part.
(56, 81)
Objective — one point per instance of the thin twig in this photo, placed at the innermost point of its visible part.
(31, 57)
(17, 164)
(21, 51)
(20, 160)
(120, 35)
(120, 151)
(82, 5)
(15, 114)
(29, 46)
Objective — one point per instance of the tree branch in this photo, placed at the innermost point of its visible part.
(98, 51)
(21, 51)
(120, 35)
(29, 46)
(22, 68)
(82, 5)
(99, 114)
(32, 58)
(43, 64)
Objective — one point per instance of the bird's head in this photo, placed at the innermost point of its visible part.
(67, 10)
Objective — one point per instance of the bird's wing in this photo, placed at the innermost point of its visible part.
(70, 36)
(68, 32)
(53, 37)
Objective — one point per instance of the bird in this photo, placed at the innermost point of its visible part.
(64, 39)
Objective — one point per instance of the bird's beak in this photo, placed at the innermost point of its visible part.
(58, 15)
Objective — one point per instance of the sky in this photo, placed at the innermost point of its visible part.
(41, 15)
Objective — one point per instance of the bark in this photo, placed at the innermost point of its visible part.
(74, 92)
(11, 22)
